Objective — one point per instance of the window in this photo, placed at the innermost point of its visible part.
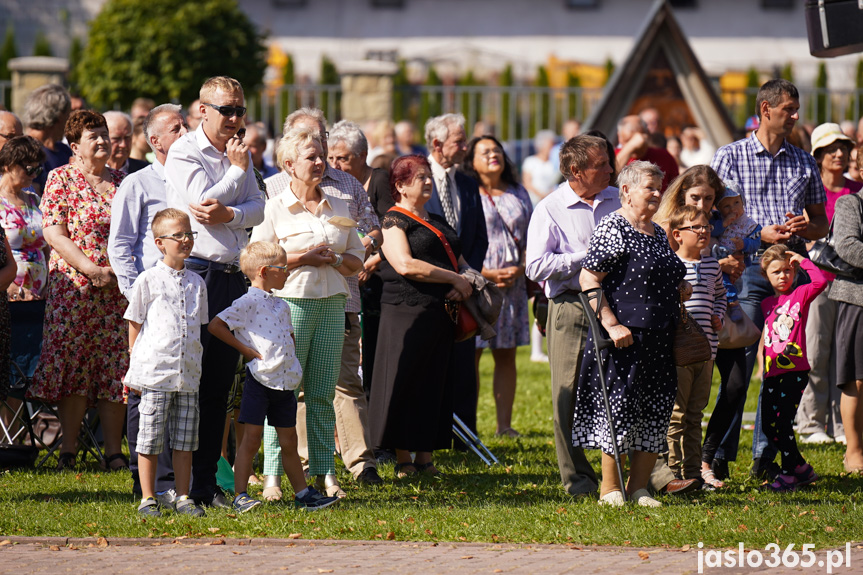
(581, 3)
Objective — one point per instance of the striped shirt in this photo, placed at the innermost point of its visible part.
(708, 295)
(772, 185)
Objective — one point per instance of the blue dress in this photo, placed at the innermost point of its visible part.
(507, 213)
(642, 290)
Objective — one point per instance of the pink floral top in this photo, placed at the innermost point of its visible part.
(23, 227)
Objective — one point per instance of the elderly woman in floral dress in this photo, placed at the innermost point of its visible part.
(85, 345)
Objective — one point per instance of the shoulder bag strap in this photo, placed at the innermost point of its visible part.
(436, 231)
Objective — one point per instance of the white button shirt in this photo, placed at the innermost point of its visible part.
(195, 171)
(263, 322)
(288, 223)
(172, 306)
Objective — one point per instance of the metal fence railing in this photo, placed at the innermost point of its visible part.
(516, 113)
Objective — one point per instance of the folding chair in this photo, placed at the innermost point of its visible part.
(470, 439)
(27, 423)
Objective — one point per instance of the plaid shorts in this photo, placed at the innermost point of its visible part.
(180, 410)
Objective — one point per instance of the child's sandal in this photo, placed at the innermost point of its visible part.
(709, 478)
(403, 470)
(783, 484)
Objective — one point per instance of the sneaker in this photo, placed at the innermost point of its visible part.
(385, 456)
(184, 505)
(166, 498)
(243, 503)
(769, 470)
(720, 468)
(369, 476)
(539, 358)
(313, 500)
(841, 439)
(804, 475)
(149, 507)
(816, 438)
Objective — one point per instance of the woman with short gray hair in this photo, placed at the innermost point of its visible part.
(630, 259)
(45, 113)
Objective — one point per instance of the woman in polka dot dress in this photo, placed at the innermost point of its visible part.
(629, 257)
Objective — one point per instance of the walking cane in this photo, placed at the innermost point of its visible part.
(601, 342)
(470, 439)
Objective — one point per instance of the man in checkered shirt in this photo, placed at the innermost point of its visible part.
(784, 193)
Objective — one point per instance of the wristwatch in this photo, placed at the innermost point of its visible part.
(375, 245)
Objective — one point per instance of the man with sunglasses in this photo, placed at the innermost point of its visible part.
(209, 175)
(132, 249)
(10, 127)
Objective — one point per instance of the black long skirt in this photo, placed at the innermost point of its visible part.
(411, 403)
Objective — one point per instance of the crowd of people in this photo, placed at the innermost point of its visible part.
(316, 303)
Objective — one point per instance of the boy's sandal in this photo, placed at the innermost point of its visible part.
(403, 470)
(428, 469)
(117, 457)
(65, 460)
(709, 478)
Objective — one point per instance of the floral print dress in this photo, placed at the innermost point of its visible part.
(85, 340)
(506, 219)
(23, 226)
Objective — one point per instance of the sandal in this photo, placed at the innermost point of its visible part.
(65, 461)
(508, 432)
(116, 457)
(783, 483)
(428, 469)
(272, 488)
(710, 480)
(403, 470)
(849, 468)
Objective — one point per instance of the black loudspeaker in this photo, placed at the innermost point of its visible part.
(835, 27)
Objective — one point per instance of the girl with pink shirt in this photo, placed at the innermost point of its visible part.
(786, 367)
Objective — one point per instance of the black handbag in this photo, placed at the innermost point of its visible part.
(835, 27)
(823, 254)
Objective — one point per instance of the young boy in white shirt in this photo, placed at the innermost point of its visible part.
(264, 335)
(167, 307)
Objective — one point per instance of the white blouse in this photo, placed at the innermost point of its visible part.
(288, 223)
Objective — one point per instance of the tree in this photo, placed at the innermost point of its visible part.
(609, 69)
(287, 82)
(76, 51)
(572, 82)
(542, 102)
(7, 52)
(42, 46)
(165, 50)
(431, 103)
(787, 72)
(400, 84)
(329, 77)
(505, 81)
(753, 82)
(471, 103)
(821, 94)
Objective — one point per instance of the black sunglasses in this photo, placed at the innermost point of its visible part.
(33, 170)
(228, 111)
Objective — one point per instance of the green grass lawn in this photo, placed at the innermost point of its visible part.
(520, 501)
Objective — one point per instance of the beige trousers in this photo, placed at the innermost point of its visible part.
(684, 430)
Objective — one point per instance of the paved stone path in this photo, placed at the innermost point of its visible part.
(21, 555)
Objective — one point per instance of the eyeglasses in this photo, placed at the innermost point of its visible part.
(283, 268)
(228, 111)
(698, 229)
(33, 170)
(179, 236)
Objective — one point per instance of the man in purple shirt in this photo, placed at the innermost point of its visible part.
(557, 240)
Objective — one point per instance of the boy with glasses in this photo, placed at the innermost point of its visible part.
(707, 303)
(167, 306)
(264, 335)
